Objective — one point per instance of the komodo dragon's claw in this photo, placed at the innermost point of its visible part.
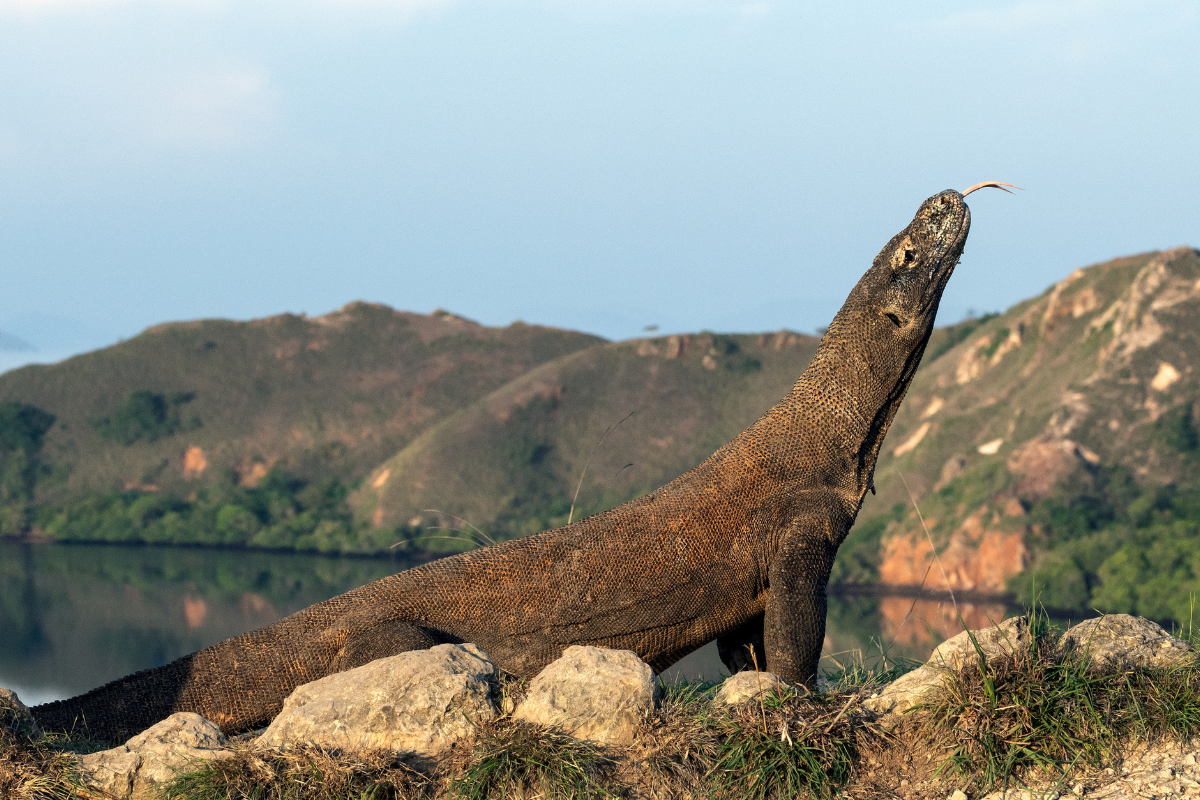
(992, 184)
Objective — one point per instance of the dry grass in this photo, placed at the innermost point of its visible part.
(1039, 713)
(791, 744)
(516, 760)
(306, 773)
(33, 767)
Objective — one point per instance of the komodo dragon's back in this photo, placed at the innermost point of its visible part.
(739, 549)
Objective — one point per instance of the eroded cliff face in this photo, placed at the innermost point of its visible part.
(981, 556)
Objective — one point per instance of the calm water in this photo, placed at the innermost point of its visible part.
(75, 617)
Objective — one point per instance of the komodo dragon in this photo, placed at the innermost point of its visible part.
(739, 549)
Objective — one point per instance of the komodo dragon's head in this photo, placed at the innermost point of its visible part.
(904, 285)
(868, 356)
(898, 297)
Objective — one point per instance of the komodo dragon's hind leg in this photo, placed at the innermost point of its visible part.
(361, 638)
(734, 647)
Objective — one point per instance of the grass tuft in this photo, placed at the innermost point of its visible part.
(805, 746)
(306, 773)
(34, 767)
(678, 745)
(516, 760)
(1043, 709)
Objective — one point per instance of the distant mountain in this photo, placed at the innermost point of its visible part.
(14, 344)
(186, 404)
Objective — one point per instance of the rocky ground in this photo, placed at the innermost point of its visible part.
(597, 721)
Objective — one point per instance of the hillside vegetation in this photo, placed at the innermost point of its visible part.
(510, 464)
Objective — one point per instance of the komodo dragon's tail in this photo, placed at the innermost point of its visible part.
(208, 682)
(239, 683)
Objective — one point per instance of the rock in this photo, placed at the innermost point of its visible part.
(419, 702)
(1121, 640)
(111, 771)
(592, 693)
(748, 685)
(15, 715)
(906, 691)
(177, 744)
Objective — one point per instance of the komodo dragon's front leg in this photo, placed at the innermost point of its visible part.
(788, 637)
(794, 622)
(738, 549)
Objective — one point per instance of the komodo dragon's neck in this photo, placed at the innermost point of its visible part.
(815, 451)
(825, 434)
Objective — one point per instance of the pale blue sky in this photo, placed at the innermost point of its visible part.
(597, 165)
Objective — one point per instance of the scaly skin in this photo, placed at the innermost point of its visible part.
(738, 549)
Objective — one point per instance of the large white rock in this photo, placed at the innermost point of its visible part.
(1121, 640)
(592, 693)
(179, 743)
(418, 702)
(906, 691)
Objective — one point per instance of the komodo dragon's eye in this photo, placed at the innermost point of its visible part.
(904, 255)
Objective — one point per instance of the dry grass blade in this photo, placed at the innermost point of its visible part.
(603, 436)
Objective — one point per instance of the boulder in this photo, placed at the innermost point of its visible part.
(15, 715)
(1119, 640)
(952, 654)
(419, 702)
(749, 685)
(592, 693)
(177, 744)
(112, 771)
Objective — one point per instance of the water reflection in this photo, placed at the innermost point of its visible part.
(74, 617)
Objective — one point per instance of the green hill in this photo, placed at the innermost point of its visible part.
(510, 464)
(214, 411)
